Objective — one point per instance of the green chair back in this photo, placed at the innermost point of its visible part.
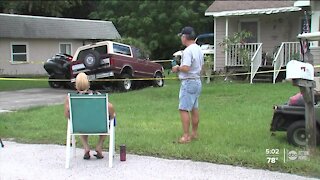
(88, 113)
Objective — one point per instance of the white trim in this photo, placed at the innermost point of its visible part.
(253, 11)
(67, 43)
(27, 52)
(53, 18)
(251, 20)
(301, 3)
(215, 42)
(314, 36)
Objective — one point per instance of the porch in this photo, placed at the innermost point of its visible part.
(262, 66)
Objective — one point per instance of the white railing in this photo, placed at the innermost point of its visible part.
(278, 62)
(233, 53)
(256, 61)
(286, 52)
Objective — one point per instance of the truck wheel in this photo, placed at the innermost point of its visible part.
(296, 133)
(158, 82)
(126, 84)
(91, 59)
(54, 84)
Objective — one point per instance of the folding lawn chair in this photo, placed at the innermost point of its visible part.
(89, 116)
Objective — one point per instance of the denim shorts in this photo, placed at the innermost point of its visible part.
(189, 94)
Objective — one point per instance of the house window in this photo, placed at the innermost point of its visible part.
(252, 27)
(19, 53)
(65, 48)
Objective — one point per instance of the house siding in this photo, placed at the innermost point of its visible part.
(220, 35)
(278, 28)
(315, 51)
(39, 50)
(274, 29)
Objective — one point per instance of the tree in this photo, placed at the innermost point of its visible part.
(38, 7)
(156, 23)
(136, 43)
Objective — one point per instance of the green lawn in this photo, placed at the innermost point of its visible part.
(234, 128)
(9, 85)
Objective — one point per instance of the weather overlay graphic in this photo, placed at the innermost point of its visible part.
(275, 155)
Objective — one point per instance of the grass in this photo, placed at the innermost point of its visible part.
(10, 85)
(234, 128)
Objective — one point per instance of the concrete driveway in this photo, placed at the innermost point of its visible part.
(21, 99)
(34, 161)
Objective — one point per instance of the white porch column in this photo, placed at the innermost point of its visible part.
(215, 44)
(227, 34)
(315, 17)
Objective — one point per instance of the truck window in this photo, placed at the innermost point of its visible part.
(120, 49)
(101, 49)
(138, 53)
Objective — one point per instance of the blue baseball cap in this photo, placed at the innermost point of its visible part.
(187, 31)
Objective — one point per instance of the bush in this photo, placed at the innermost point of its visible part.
(136, 43)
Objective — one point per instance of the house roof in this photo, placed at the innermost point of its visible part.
(236, 8)
(22, 26)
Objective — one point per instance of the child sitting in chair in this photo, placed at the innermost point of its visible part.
(82, 87)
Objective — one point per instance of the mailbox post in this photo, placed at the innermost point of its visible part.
(302, 75)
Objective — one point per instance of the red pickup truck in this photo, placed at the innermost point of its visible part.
(112, 60)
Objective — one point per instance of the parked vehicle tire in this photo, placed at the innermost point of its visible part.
(296, 133)
(159, 81)
(127, 83)
(91, 59)
(54, 84)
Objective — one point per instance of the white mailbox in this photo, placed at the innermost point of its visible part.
(299, 70)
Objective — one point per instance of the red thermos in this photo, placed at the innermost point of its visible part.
(123, 152)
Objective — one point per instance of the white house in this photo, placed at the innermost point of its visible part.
(274, 26)
(28, 41)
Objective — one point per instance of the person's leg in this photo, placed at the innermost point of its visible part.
(185, 106)
(86, 147)
(195, 122)
(84, 140)
(195, 112)
(185, 120)
(100, 143)
(99, 147)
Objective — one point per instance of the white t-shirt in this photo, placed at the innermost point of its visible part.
(192, 56)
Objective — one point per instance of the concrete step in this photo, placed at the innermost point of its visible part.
(259, 80)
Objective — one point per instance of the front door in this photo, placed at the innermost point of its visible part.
(252, 27)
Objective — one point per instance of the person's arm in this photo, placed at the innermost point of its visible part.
(183, 68)
(185, 64)
(66, 108)
(111, 110)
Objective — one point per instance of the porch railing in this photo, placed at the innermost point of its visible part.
(287, 51)
(233, 56)
(256, 61)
